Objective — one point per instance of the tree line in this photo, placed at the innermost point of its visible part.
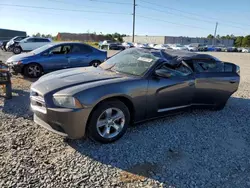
(239, 41)
(114, 36)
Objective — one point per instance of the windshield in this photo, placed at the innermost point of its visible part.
(131, 61)
(42, 49)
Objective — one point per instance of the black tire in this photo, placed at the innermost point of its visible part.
(99, 110)
(17, 50)
(8, 91)
(219, 106)
(95, 63)
(27, 70)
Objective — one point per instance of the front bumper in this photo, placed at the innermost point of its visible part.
(66, 122)
(16, 68)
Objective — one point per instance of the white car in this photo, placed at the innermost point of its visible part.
(162, 46)
(30, 43)
(12, 41)
(178, 47)
(127, 44)
(191, 48)
(246, 50)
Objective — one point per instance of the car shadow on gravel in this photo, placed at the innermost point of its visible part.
(174, 148)
(19, 105)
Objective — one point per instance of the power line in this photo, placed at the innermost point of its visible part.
(165, 12)
(195, 14)
(61, 9)
(112, 2)
(156, 19)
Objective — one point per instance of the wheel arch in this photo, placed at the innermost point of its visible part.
(27, 64)
(125, 100)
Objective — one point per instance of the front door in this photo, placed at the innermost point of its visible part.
(169, 94)
(56, 58)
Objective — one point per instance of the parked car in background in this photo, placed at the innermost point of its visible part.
(178, 47)
(152, 45)
(55, 56)
(29, 44)
(140, 45)
(231, 49)
(101, 102)
(192, 48)
(111, 45)
(128, 44)
(162, 46)
(116, 46)
(213, 48)
(11, 44)
(3, 44)
(246, 50)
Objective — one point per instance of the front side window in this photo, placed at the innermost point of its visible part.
(56, 50)
(131, 61)
(180, 70)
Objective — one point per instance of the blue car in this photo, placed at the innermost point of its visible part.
(55, 56)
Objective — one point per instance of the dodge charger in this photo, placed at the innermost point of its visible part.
(132, 86)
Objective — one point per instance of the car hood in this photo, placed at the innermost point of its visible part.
(63, 79)
(20, 57)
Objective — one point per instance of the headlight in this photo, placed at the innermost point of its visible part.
(66, 102)
(17, 62)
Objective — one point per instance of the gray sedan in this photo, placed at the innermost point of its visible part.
(132, 86)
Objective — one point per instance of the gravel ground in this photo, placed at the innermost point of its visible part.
(200, 148)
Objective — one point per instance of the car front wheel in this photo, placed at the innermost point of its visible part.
(109, 121)
(17, 50)
(33, 70)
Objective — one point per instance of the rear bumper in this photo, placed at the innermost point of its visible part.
(65, 122)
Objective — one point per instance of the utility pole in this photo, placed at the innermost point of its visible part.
(215, 31)
(133, 37)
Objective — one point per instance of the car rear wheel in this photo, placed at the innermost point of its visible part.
(17, 50)
(95, 63)
(109, 121)
(33, 70)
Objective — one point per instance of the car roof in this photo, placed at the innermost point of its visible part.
(186, 55)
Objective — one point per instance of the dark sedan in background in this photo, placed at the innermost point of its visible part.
(56, 56)
(132, 86)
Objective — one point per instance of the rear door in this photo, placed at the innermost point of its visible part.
(28, 45)
(39, 42)
(80, 56)
(214, 82)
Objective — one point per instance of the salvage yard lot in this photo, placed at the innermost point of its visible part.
(198, 148)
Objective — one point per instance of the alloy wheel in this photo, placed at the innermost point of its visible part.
(34, 70)
(110, 123)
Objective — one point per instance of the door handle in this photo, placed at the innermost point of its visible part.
(232, 82)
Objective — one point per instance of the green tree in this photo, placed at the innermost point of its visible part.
(210, 36)
(37, 35)
(238, 41)
(218, 36)
(246, 41)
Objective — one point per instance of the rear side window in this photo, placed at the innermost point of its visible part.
(77, 48)
(41, 40)
(31, 40)
(207, 66)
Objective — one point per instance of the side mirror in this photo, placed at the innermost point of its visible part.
(163, 73)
